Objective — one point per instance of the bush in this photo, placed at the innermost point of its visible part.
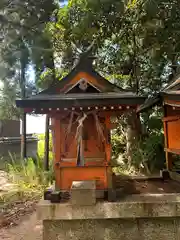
(149, 153)
(30, 175)
(41, 147)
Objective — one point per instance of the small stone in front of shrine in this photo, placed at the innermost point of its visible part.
(83, 193)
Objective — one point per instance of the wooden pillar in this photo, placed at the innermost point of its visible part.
(167, 154)
(46, 149)
(108, 154)
(23, 96)
(108, 141)
(57, 148)
(23, 137)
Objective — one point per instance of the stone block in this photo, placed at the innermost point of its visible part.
(83, 193)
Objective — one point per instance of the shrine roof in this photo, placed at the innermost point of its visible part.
(171, 95)
(80, 100)
(82, 87)
(83, 96)
(170, 92)
(174, 85)
(61, 84)
(150, 103)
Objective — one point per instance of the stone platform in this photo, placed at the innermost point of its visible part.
(136, 217)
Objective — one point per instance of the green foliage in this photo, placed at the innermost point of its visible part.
(41, 147)
(24, 42)
(155, 124)
(29, 175)
(8, 96)
(29, 180)
(148, 155)
(118, 144)
(133, 38)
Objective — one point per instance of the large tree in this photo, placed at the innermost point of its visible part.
(24, 41)
(136, 42)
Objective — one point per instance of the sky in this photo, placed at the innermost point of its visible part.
(35, 124)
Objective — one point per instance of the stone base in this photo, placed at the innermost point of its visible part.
(137, 217)
(112, 229)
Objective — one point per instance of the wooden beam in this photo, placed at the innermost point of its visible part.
(171, 118)
(171, 150)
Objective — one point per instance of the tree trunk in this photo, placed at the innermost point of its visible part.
(133, 133)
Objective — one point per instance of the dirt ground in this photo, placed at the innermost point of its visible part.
(147, 186)
(20, 218)
(29, 228)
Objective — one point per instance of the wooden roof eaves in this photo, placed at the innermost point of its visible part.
(174, 84)
(171, 95)
(168, 91)
(61, 103)
(158, 99)
(150, 103)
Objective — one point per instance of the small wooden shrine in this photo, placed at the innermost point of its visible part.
(80, 107)
(169, 99)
